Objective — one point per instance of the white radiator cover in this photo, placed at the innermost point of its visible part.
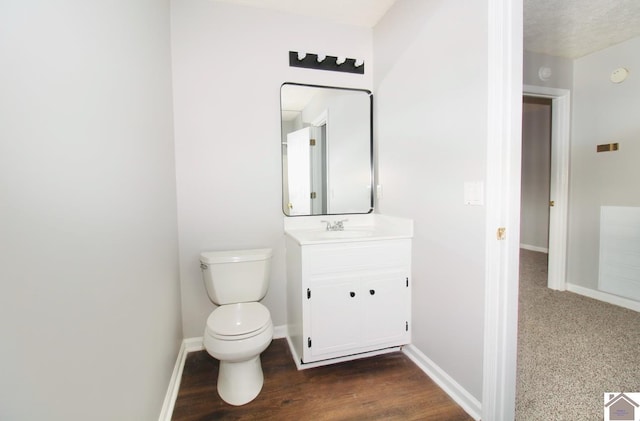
(620, 251)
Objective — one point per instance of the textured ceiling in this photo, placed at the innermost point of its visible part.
(574, 28)
(566, 28)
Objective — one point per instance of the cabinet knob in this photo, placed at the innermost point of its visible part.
(372, 291)
(352, 294)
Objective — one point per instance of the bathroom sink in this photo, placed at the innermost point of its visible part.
(346, 234)
(357, 228)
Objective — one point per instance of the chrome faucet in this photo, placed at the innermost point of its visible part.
(336, 226)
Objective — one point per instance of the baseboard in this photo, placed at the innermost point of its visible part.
(192, 345)
(463, 398)
(280, 332)
(296, 357)
(604, 296)
(188, 345)
(534, 248)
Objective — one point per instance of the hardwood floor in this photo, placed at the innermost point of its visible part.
(384, 387)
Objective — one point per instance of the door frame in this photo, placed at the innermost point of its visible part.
(319, 167)
(298, 143)
(559, 187)
(502, 198)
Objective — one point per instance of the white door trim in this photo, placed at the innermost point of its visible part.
(504, 144)
(559, 189)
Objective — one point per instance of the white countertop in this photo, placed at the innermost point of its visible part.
(372, 227)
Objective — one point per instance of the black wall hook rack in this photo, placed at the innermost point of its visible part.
(310, 61)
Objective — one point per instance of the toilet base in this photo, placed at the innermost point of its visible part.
(240, 382)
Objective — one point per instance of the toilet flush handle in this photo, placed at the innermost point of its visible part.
(203, 266)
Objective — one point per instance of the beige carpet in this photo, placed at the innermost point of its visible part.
(571, 349)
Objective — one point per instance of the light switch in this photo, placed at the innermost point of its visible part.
(474, 193)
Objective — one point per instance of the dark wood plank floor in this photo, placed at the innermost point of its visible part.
(384, 387)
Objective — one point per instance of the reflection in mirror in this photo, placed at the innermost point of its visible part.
(326, 150)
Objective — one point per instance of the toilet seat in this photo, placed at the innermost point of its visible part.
(233, 322)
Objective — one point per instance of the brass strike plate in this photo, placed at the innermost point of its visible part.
(607, 147)
(502, 233)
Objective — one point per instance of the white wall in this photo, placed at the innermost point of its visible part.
(89, 292)
(348, 165)
(536, 167)
(603, 112)
(228, 65)
(561, 70)
(431, 93)
(349, 162)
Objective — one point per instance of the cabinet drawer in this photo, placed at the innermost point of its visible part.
(354, 256)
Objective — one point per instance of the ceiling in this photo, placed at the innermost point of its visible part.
(565, 28)
(574, 28)
(352, 12)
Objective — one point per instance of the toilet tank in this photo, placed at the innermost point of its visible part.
(236, 276)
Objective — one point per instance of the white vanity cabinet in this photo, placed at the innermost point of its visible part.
(348, 297)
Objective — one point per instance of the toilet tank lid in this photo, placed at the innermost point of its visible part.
(234, 256)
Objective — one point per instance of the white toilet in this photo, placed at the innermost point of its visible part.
(240, 328)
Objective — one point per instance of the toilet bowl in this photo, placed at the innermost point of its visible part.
(240, 328)
(236, 335)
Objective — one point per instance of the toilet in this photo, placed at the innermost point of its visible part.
(240, 328)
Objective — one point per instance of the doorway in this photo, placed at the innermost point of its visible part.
(558, 181)
(535, 200)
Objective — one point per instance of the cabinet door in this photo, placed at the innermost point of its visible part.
(386, 308)
(334, 322)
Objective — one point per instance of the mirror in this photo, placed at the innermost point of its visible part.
(327, 150)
